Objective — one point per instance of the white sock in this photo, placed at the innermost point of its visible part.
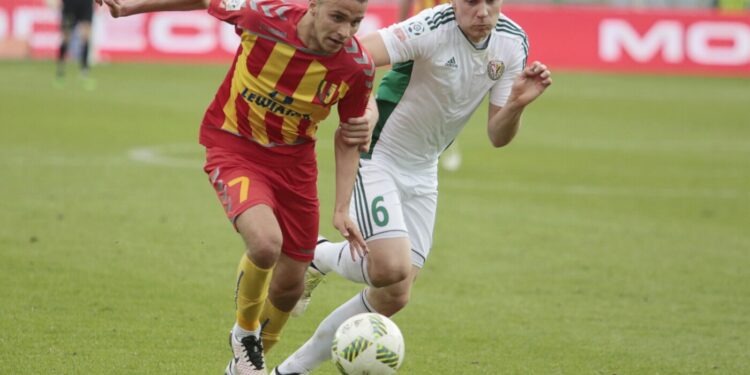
(240, 332)
(318, 348)
(337, 257)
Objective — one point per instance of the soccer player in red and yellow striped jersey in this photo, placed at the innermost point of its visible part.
(292, 66)
(278, 89)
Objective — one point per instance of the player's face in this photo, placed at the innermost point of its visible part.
(335, 22)
(477, 18)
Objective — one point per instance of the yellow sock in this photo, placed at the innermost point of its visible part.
(252, 290)
(273, 321)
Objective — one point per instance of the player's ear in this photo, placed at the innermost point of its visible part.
(312, 5)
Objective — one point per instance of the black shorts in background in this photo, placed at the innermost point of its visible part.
(75, 11)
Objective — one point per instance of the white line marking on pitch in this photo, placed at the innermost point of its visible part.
(163, 155)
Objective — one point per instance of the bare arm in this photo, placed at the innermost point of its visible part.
(374, 43)
(124, 8)
(347, 161)
(503, 126)
(503, 122)
(372, 114)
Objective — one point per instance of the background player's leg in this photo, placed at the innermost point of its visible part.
(85, 17)
(66, 28)
(84, 33)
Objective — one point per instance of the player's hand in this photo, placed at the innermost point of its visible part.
(371, 114)
(349, 230)
(531, 83)
(357, 131)
(115, 7)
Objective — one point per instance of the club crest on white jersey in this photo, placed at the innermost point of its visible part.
(495, 69)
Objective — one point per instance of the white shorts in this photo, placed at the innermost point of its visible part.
(390, 202)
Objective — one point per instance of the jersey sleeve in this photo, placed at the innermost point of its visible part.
(235, 12)
(500, 91)
(412, 38)
(354, 101)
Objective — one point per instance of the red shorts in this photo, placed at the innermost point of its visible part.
(287, 184)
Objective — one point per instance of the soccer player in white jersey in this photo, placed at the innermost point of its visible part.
(445, 61)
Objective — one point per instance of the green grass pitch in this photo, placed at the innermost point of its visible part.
(611, 237)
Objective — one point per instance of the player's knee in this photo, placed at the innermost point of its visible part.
(389, 262)
(383, 279)
(84, 27)
(265, 251)
(388, 273)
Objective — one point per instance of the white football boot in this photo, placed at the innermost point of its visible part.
(248, 356)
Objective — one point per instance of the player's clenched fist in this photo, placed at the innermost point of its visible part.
(531, 83)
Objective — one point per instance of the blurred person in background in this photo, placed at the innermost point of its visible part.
(446, 61)
(293, 65)
(76, 19)
(450, 159)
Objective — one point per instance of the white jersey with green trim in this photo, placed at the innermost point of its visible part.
(436, 95)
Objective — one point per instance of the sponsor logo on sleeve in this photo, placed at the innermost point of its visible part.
(399, 33)
(415, 28)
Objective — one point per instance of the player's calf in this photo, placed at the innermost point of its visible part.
(391, 299)
(313, 277)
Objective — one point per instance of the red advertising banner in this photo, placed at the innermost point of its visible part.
(660, 41)
(564, 37)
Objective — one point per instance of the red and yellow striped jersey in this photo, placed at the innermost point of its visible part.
(277, 90)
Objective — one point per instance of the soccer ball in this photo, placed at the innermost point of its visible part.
(368, 344)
